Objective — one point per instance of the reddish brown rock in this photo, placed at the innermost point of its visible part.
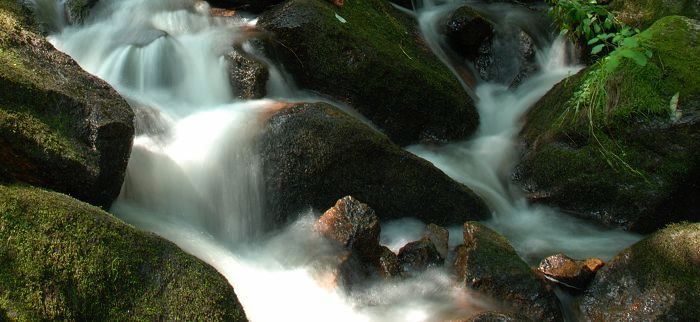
(388, 264)
(419, 255)
(338, 3)
(440, 237)
(354, 225)
(570, 272)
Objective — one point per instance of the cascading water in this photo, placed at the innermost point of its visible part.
(194, 176)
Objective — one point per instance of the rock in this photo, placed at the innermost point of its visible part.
(368, 57)
(408, 4)
(656, 279)
(248, 75)
(62, 259)
(497, 317)
(354, 225)
(440, 237)
(254, 6)
(419, 256)
(466, 30)
(570, 272)
(60, 127)
(643, 13)
(501, 50)
(78, 10)
(314, 154)
(388, 265)
(637, 166)
(487, 264)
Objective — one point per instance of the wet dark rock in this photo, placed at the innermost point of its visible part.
(65, 260)
(440, 237)
(248, 75)
(255, 6)
(501, 50)
(637, 165)
(60, 127)
(314, 154)
(388, 264)
(408, 4)
(570, 272)
(78, 10)
(656, 279)
(487, 264)
(353, 225)
(498, 317)
(419, 256)
(368, 57)
(467, 30)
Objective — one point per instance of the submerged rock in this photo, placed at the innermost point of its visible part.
(498, 317)
(488, 264)
(501, 50)
(419, 256)
(368, 54)
(62, 259)
(632, 161)
(60, 127)
(656, 279)
(570, 272)
(248, 75)
(314, 154)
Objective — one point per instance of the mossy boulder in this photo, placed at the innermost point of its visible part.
(62, 259)
(488, 264)
(314, 154)
(656, 279)
(620, 146)
(643, 13)
(60, 127)
(370, 55)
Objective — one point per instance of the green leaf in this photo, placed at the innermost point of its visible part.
(630, 42)
(648, 53)
(636, 56)
(597, 49)
(594, 40)
(612, 63)
(597, 29)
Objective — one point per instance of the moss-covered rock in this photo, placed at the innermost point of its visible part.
(314, 154)
(656, 279)
(60, 127)
(643, 13)
(488, 264)
(62, 259)
(621, 147)
(370, 55)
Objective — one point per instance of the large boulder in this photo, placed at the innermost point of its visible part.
(62, 259)
(488, 264)
(314, 154)
(621, 146)
(642, 13)
(656, 279)
(60, 127)
(369, 55)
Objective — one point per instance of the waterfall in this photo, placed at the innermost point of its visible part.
(194, 176)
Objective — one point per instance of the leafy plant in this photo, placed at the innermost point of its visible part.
(587, 22)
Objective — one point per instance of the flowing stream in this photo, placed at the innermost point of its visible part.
(194, 176)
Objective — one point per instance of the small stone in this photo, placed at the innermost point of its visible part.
(354, 225)
(419, 255)
(572, 273)
(440, 237)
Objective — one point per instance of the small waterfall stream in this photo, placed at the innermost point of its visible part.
(194, 176)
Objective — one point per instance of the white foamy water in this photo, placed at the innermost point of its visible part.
(194, 176)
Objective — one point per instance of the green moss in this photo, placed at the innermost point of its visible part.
(354, 61)
(64, 259)
(613, 136)
(643, 13)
